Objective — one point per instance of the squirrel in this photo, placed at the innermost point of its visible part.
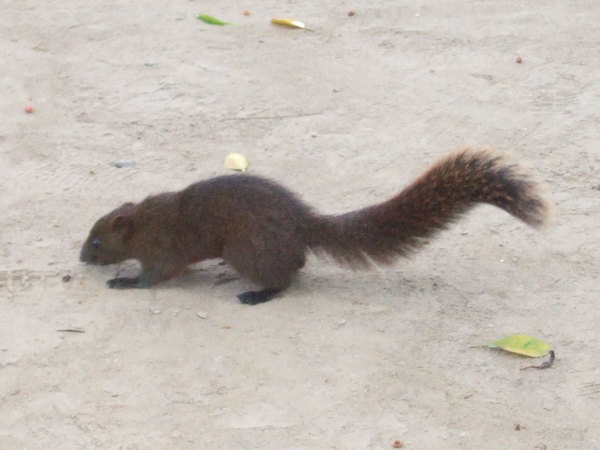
(264, 231)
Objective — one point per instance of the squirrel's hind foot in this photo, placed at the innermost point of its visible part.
(256, 297)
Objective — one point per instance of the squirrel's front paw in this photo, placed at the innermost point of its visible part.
(122, 283)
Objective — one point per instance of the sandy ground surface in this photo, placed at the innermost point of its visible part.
(346, 115)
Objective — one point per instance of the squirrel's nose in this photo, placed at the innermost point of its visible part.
(84, 255)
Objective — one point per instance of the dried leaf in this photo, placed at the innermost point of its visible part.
(211, 20)
(545, 364)
(288, 23)
(523, 344)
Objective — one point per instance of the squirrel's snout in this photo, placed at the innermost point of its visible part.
(84, 255)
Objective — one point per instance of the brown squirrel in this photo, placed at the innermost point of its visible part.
(264, 231)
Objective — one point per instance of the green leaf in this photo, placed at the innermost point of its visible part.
(523, 345)
(211, 20)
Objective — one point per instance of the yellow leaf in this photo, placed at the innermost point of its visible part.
(523, 345)
(288, 23)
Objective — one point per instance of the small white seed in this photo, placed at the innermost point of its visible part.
(236, 161)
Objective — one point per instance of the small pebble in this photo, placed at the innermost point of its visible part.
(246, 12)
(29, 109)
(519, 60)
(202, 314)
(351, 13)
(340, 323)
(66, 278)
(123, 163)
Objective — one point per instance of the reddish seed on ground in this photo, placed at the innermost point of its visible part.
(246, 12)
(519, 60)
(351, 13)
(29, 109)
(398, 444)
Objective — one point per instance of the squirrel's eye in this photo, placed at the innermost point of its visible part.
(95, 242)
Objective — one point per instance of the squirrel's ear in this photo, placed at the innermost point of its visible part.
(122, 225)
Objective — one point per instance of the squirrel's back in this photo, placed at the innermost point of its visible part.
(264, 227)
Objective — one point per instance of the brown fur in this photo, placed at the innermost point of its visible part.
(264, 231)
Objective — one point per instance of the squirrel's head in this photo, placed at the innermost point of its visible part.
(108, 241)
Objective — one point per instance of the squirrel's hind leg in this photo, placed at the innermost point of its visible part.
(265, 261)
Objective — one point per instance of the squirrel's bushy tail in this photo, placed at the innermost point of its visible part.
(451, 187)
